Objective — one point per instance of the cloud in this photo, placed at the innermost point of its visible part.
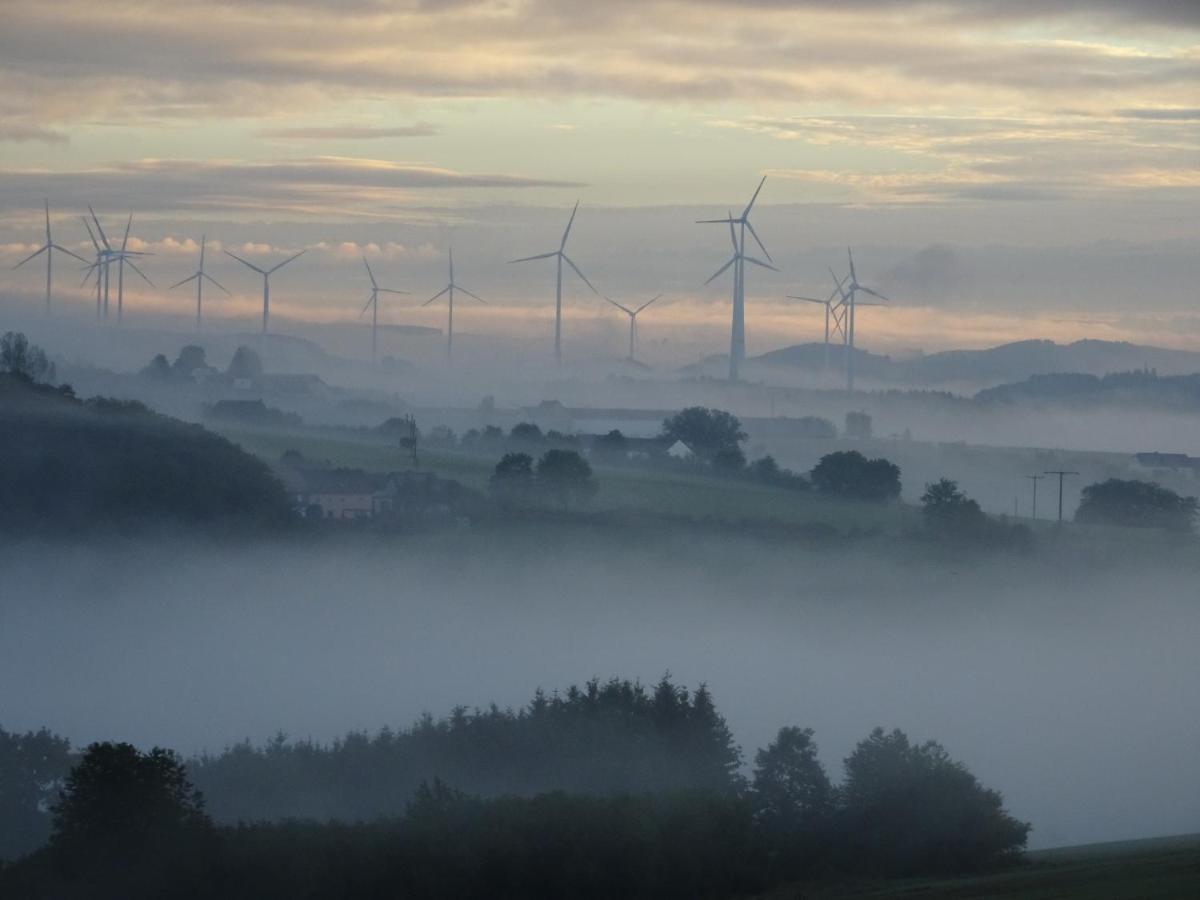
(349, 132)
(328, 185)
(20, 133)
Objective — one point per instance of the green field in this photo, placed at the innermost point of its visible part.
(627, 489)
(1157, 869)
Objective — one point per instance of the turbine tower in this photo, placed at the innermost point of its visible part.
(633, 314)
(48, 248)
(450, 288)
(199, 277)
(266, 277)
(100, 268)
(561, 255)
(373, 304)
(122, 257)
(851, 301)
(737, 337)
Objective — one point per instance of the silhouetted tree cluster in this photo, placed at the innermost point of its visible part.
(653, 807)
(709, 432)
(767, 471)
(1136, 504)
(850, 475)
(562, 477)
(74, 465)
(32, 766)
(954, 518)
(19, 357)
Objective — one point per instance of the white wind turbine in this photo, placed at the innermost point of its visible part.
(199, 277)
(851, 301)
(562, 257)
(737, 337)
(450, 288)
(633, 314)
(266, 277)
(373, 304)
(48, 248)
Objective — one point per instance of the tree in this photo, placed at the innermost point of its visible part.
(849, 474)
(512, 480)
(1137, 504)
(948, 512)
(526, 434)
(706, 431)
(189, 360)
(793, 797)
(119, 803)
(32, 766)
(858, 425)
(729, 460)
(911, 808)
(565, 476)
(245, 364)
(19, 356)
(611, 447)
(158, 368)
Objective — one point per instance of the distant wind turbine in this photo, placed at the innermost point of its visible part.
(737, 337)
(851, 294)
(105, 257)
(834, 313)
(633, 314)
(450, 288)
(199, 277)
(266, 277)
(48, 248)
(373, 304)
(562, 257)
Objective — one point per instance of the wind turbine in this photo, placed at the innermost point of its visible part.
(105, 256)
(737, 337)
(199, 277)
(373, 304)
(562, 257)
(48, 248)
(450, 289)
(834, 312)
(633, 314)
(851, 301)
(266, 277)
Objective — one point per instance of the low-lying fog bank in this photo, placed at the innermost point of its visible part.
(1071, 692)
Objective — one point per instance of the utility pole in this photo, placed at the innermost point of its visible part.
(1061, 474)
(1035, 479)
(414, 436)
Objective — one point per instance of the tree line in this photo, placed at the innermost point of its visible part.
(610, 789)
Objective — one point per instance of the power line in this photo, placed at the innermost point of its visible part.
(1035, 479)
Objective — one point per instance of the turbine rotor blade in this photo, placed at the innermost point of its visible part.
(806, 299)
(370, 274)
(244, 262)
(185, 281)
(746, 211)
(391, 291)
(367, 306)
(754, 234)
(129, 263)
(286, 261)
(717, 273)
(208, 277)
(759, 262)
(125, 240)
(61, 249)
(647, 303)
(539, 256)
(438, 294)
(567, 259)
(100, 229)
(626, 310)
(867, 290)
(35, 253)
(567, 232)
(472, 296)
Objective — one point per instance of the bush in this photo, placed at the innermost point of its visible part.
(566, 477)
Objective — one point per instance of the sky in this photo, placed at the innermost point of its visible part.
(1004, 169)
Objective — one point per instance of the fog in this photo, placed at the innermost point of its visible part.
(1071, 690)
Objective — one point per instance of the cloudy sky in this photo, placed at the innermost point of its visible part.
(1003, 169)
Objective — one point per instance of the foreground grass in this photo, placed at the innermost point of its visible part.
(1156, 869)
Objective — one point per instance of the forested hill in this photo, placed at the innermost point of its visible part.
(71, 465)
